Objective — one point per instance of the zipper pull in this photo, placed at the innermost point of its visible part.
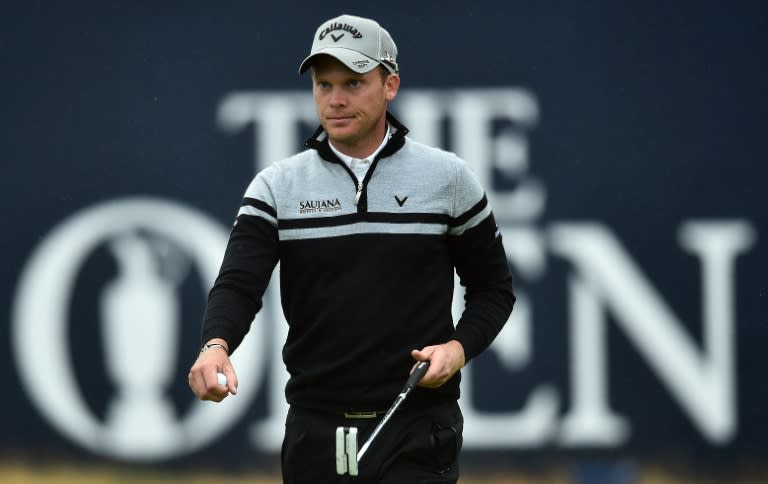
(359, 191)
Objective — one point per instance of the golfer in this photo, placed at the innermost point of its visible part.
(368, 226)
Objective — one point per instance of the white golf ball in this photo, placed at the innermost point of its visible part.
(222, 379)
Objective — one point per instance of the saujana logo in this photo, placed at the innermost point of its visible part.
(323, 206)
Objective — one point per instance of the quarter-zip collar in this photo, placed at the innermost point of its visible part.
(351, 160)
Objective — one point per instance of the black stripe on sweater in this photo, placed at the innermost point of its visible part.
(464, 218)
(258, 204)
(375, 217)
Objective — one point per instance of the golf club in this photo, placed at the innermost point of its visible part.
(347, 455)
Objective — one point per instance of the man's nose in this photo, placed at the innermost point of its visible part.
(338, 98)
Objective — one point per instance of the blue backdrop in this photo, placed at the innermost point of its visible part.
(622, 146)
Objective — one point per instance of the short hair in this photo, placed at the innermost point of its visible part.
(384, 72)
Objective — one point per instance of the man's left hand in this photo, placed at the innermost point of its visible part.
(444, 361)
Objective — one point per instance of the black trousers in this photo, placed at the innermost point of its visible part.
(415, 447)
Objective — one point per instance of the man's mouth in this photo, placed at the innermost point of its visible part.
(339, 118)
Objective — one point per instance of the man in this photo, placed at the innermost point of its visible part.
(368, 226)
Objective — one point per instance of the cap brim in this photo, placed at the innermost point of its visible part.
(354, 60)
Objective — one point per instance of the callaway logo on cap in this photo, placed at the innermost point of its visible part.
(359, 43)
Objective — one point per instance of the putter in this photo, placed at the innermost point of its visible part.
(347, 455)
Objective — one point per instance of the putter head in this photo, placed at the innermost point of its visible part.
(341, 451)
(352, 451)
(346, 450)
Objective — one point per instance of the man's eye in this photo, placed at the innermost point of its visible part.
(354, 83)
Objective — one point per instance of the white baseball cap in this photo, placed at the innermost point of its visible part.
(359, 43)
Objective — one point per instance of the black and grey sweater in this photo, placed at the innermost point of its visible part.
(366, 269)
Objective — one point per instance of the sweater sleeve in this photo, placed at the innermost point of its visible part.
(481, 263)
(250, 258)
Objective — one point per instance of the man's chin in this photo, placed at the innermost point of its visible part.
(342, 136)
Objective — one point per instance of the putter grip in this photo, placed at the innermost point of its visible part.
(417, 375)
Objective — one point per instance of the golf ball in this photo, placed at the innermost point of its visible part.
(222, 378)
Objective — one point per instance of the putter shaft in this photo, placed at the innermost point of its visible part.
(413, 379)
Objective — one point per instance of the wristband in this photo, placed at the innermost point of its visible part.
(209, 346)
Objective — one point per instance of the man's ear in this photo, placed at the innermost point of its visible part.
(391, 86)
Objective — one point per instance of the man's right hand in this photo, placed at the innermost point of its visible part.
(202, 376)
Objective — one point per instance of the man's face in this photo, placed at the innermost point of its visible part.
(352, 107)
